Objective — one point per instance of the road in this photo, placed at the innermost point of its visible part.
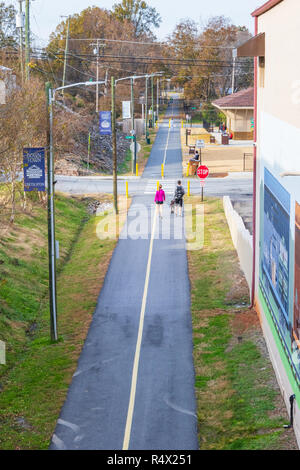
(134, 385)
(239, 186)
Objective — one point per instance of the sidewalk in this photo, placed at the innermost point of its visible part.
(134, 386)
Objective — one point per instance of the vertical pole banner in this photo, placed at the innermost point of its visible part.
(34, 169)
(126, 110)
(105, 123)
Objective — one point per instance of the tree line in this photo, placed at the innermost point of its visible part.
(195, 57)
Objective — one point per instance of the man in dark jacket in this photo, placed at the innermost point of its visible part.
(178, 197)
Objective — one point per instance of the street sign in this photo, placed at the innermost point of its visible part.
(129, 137)
(105, 123)
(200, 144)
(202, 172)
(138, 147)
(34, 169)
(126, 109)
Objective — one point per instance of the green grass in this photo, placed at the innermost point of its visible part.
(125, 167)
(38, 372)
(235, 389)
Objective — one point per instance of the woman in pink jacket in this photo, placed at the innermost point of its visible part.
(160, 197)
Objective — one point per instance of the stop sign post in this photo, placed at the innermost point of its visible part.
(202, 174)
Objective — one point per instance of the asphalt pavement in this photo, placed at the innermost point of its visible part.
(134, 385)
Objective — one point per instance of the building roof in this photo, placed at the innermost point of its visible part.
(241, 99)
(265, 7)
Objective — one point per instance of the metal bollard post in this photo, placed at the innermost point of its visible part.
(127, 190)
(188, 169)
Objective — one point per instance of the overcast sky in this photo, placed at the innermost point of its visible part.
(45, 14)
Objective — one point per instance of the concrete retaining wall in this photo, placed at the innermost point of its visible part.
(241, 238)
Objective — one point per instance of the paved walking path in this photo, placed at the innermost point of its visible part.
(134, 386)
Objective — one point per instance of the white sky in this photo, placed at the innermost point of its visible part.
(45, 14)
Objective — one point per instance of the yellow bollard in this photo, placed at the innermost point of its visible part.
(157, 185)
(162, 170)
(169, 123)
(188, 169)
(126, 189)
(189, 188)
(181, 124)
(137, 169)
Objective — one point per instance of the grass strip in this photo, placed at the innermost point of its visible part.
(35, 380)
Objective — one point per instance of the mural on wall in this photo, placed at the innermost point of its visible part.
(296, 322)
(275, 259)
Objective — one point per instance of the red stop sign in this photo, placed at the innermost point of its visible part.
(202, 172)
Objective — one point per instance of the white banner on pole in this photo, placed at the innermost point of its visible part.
(126, 109)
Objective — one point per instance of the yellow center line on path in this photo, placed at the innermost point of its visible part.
(165, 155)
(127, 433)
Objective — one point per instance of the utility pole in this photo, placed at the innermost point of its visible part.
(27, 39)
(152, 99)
(20, 25)
(89, 151)
(106, 82)
(157, 99)
(146, 109)
(97, 79)
(51, 216)
(132, 126)
(234, 55)
(97, 53)
(114, 144)
(66, 54)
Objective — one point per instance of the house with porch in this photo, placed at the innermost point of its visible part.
(239, 111)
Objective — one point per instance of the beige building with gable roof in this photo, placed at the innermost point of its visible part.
(239, 111)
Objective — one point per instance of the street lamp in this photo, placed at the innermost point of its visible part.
(50, 94)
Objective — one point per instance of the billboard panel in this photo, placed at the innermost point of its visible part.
(276, 277)
(296, 319)
(275, 259)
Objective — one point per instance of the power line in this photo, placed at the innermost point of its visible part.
(161, 44)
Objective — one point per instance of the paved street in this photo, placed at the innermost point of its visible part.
(235, 186)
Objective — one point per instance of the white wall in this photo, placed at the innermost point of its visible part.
(241, 238)
(278, 150)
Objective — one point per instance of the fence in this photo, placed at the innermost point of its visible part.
(241, 238)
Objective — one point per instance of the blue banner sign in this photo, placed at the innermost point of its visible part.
(105, 123)
(34, 169)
